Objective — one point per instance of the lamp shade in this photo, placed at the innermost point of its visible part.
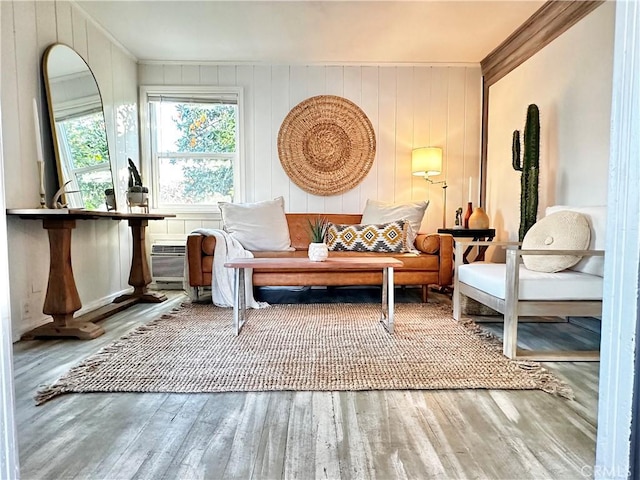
(426, 161)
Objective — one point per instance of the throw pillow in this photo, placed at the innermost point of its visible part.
(376, 212)
(260, 226)
(597, 218)
(559, 231)
(388, 237)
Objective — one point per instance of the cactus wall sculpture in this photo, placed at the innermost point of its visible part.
(530, 168)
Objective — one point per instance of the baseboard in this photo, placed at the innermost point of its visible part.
(158, 286)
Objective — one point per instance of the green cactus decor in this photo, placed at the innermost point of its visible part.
(515, 151)
(530, 168)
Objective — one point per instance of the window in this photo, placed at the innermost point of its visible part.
(194, 147)
(85, 157)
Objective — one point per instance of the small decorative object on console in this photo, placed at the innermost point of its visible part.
(57, 202)
(478, 220)
(458, 223)
(137, 195)
(467, 214)
(110, 199)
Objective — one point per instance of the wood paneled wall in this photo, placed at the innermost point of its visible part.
(100, 249)
(409, 106)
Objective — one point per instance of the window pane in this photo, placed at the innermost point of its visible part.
(193, 181)
(92, 186)
(195, 127)
(87, 140)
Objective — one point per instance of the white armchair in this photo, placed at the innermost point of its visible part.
(514, 291)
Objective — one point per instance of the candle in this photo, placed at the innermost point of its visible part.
(36, 123)
(469, 189)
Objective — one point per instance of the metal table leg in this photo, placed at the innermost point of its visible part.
(239, 300)
(387, 317)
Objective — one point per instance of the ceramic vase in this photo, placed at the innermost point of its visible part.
(467, 214)
(318, 252)
(478, 220)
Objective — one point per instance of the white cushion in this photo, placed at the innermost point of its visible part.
(597, 218)
(564, 285)
(564, 230)
(376, 212)
(260, 226)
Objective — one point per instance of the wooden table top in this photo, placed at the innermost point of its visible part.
(81, 214)
(342, 263)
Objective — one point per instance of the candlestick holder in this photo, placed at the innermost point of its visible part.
(43, 201)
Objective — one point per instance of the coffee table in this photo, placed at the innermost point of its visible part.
(386, 264)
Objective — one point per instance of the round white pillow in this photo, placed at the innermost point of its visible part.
(563, 230)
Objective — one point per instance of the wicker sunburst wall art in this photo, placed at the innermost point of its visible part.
(326, 145)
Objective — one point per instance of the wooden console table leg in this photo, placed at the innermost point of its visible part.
(62, 299)
(139, 275)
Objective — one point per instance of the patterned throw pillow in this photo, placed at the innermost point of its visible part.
(385, 237)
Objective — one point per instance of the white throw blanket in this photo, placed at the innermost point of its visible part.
(226, 249)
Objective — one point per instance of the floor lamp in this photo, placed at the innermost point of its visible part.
(427, 162)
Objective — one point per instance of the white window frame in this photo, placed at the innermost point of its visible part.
(148, 164)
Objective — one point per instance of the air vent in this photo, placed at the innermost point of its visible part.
(167, 262)
(167, 249)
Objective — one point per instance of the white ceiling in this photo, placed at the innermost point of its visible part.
(310, 31)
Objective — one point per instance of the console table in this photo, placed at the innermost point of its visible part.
(62, 299)
(483, 234)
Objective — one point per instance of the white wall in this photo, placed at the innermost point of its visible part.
(408, 107)
(9, 458)
(570, 81)
(100, 249)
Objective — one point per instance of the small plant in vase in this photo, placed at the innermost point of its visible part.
(137, 195)
(110, 199)
(318, 250)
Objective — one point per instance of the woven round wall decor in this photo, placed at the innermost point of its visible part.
(326, 144)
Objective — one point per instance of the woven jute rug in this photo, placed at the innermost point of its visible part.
(304, 347)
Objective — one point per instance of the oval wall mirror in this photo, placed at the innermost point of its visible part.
(78, 128)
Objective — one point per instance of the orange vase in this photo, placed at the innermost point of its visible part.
(478, 220)
(467, 214)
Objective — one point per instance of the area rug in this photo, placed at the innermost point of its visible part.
(304, 347)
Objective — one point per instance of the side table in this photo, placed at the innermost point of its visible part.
(62, 299)
(484, 234)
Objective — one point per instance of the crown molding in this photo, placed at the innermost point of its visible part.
(308, 64)
(104, 31)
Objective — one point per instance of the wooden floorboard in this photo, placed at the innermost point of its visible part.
(378, 434)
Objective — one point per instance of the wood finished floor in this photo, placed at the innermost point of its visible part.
(304, 435)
